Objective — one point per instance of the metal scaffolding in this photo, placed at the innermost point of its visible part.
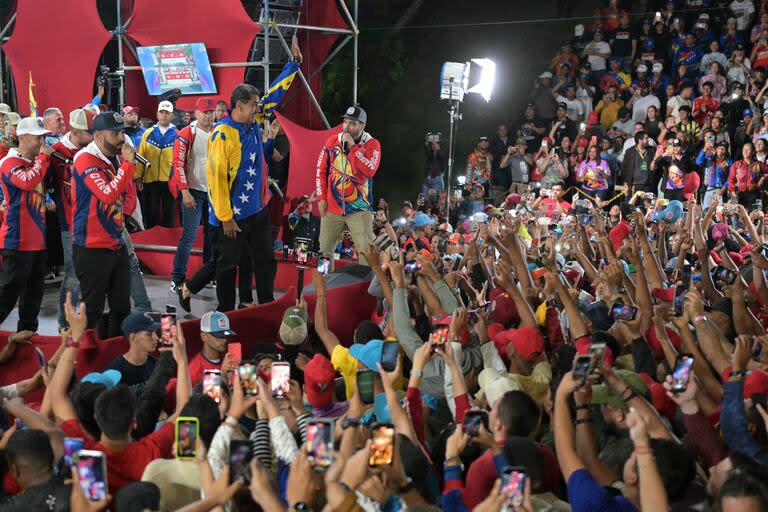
(268, 26)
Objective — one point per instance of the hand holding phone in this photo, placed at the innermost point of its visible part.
(473, 420)
(681, 374)
(280, 379)
(319, 444)
(513, 485)
(92, 473)
(382, 444)
(212, 384)
(246, 370)
(240, 456)
(187, 429)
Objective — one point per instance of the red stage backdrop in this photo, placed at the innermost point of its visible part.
(305, 149)
(60, 43)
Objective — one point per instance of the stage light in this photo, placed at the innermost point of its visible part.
(487, 78)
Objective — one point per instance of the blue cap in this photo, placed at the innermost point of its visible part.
(422, 219)
(747, 112)
(671, 213)
(110, 378)
(138, 322)
(368, 354)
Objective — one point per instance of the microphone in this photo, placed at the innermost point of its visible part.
(138, 158)
(274, 187)
(344, 147)
(61, 158)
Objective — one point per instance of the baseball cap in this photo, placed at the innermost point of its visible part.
(503, 308)
(110, 378)
(130, 110)
(293, 328)
(657, 66)
(691, 184)
(445, 227)
(483, 138)
(12, 118)
(355, 113)
(756, 383)
(138, 322)
(527, 341)
(166, 106)
(5, 108)
(319, 378)
(664, 294)
(562, 104)
(216, 324)
(368, 354)
(604, 394)
(545, 74)
(670, 214)
(494, 384)
(747, 112)
(455, 238)
(205, 104)
(578, 30)
(31, 126)
(719, 232)
(109, 121)
(81, 119)
(422, 219)
(642, 68)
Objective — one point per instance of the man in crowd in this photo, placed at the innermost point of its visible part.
(221, 110)
(672, 166)
(137, 364)
(746, 177)
(99, 179)
(515, 168)
(54, 123)
(79, 135)
(133, 129)
(435, 166)
(344, 183)
(479, 163)
(10, 139)
(22, 233)
(215, 333)
(157, 147)
(636, 166)
(188, 177)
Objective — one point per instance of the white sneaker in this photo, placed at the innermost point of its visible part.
(174, 287)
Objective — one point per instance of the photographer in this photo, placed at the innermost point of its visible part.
(435, 165)
(514, 169)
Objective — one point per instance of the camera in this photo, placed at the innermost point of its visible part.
(107, 78)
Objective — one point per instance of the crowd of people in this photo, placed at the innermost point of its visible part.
(580, 325)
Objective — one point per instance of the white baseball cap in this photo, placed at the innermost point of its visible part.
(657, 66)
(166, 106)
(578, 30)
(4, 108)
(81, 119)
(31, 126)
(642, 68)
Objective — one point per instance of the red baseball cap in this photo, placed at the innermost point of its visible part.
(737, 258)
(528, 342)
(503, 310)
(659, 398)
(582, 348)
(318, 382)
(130, 110)
(619, 233)
(205, 104)
(664, 294)
(756, 383)
(691, 184)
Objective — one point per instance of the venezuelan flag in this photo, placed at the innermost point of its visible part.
(32, 102)
(277, 90)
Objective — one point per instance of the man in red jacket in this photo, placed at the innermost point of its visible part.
(22, 234)
(98, 248)
(344, 183)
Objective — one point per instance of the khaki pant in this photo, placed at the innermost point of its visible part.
(360, 226)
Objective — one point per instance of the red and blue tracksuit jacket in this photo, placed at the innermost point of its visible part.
(22, 183)
(61, 175)
(97, 197)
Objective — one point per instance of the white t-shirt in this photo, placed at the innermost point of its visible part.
(196, 178)
(575, 108)
(585, 99)
(742, 10)
(640, 107)
(596, 61)
(675, 102)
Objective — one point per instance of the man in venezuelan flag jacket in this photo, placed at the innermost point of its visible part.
(238, 192)
(22, 234)
(99, 181)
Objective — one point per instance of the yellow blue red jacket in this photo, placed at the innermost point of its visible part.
(235, 167)
(158, 149)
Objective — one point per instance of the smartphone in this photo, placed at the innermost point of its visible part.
(280, 379)
(323, 265)
(411, 267)
(625, 312)
(72, 445)
(187, 429)
(382, 444)
(40, 358)
(167, 329)
(586, 220)
(92, 470)
(439, 337)
(726, 275)
(319, 444)
(365, 386)
(513, 484)
(581, 367)
(596, 357)
(682, 372)
(240, 456)
(301, 249)
(212, 384)
(248, 378)
(472, 421)
(389, 352)
(685, 277)
(679, 300)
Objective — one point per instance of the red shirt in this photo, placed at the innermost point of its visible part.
(22, 183)
(703, 109)
(127, 466)
(97, 198)
(62, 173)
(551, 205)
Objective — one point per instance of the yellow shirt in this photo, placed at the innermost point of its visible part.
(537, 384)
(609, 112)
(346, 365)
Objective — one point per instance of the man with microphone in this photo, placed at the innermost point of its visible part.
(344, 184)
(78, 136)
(99, 179)
(22, 234)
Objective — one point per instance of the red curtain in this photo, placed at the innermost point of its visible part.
(223, 26)
(60, 43)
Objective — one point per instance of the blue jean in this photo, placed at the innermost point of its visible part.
(190, 221)
(70, 282)
(141, 302)
(433, 183)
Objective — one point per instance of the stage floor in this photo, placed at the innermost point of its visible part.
(158, 289)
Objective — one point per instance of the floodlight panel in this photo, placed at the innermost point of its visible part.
(487, 78)
(454, 78)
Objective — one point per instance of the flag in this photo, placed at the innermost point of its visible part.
(32, 102)
(277, 91)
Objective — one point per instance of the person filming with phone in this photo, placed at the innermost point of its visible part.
(435, 165)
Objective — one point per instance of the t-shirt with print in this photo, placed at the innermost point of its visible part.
(676, 170)
(586, 495)
(574, 108)
(742, 9)
(135, 377)
(621, 45)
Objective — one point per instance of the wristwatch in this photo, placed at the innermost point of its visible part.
(300, 506)
(350, 422)
(741, 374)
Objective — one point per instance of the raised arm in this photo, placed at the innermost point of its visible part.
(329, 340)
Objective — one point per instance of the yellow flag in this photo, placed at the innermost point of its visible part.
(32, 102)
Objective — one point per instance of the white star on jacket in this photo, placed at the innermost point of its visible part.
(236, 210)
(248, 185)
(243, 198)
(253, 157)
(251, 171)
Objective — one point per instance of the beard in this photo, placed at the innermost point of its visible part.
(114, 148)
